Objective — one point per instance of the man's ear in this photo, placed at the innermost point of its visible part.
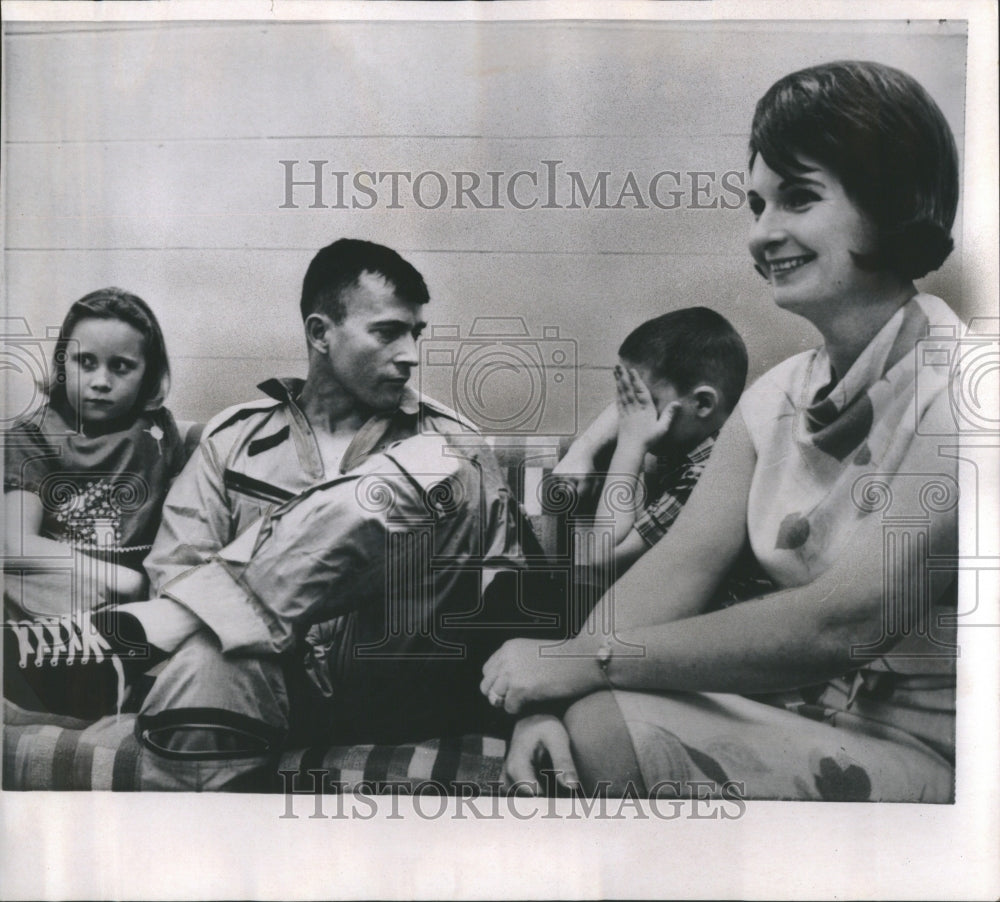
(706, 400)
(316, 326)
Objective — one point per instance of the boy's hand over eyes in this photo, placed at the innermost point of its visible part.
(639, 425)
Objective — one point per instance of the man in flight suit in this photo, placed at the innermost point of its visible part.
(318, 571)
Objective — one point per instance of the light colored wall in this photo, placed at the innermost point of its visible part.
(147, 156)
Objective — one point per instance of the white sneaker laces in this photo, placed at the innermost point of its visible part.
(39, 641)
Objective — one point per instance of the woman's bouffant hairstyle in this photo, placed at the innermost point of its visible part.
(113, 303)
(886, 140)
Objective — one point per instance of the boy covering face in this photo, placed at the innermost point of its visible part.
(678, 377)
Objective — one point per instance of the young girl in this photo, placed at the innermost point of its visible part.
(833, 462)
(84, 483)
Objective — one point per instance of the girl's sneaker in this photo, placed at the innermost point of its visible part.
(73, 665)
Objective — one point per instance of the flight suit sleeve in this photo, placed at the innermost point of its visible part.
(196, 522)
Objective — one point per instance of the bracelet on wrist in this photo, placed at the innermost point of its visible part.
(603, 657)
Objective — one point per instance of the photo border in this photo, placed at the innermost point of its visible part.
(99, 845)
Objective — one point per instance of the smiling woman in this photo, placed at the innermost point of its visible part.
(807, 241)
(854, 191)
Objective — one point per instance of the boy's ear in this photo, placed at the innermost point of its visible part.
(706, 400)
(316, 326)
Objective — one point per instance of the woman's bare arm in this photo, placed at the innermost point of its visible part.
(805, 634)
(678, 576)
(787, 639)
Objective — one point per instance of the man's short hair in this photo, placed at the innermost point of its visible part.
(339, 265)
(886, 140)
(688, 347)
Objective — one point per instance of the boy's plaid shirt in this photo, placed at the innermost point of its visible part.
(674, 488)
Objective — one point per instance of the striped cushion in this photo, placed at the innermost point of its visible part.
(44, 751)
(444, 765)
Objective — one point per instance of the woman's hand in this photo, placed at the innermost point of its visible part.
(525, 671)
(534, 738)
(639, 425)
